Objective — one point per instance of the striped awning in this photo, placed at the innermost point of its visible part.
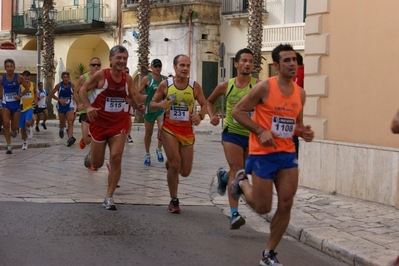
(24, 60)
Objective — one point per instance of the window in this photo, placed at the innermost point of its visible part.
(75, 2)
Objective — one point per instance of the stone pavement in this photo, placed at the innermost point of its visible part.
(354, 231)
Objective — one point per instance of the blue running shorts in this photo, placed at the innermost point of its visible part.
(237, 139)
(25, 116)
(266, 166)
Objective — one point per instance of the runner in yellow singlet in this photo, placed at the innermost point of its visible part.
(177, 96)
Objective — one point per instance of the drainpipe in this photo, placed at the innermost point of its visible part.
(190, 33)
(119, 18)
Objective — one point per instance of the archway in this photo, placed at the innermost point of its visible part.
(82, 50)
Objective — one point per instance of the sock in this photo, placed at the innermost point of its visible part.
(159, 150)
(233, 210)
(225, 178)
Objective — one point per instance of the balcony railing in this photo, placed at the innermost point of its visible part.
(84, 13)
(293, 34)
(231, 7)
(68, 14)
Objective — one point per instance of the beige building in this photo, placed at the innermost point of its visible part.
(85, 28)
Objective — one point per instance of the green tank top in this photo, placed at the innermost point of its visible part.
(87, 77)
(150, 91)
(233, 96)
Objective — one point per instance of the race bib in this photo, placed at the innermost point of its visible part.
(67, 100)
(27, 95)
(9, 97)
(114, 105)
(179, 113)
(283, 127)
(249, 114)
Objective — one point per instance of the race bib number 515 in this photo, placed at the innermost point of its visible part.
(113, 104)
(283, 127)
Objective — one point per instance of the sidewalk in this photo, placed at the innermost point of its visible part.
(354, 231)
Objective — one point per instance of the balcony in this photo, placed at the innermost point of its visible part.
(236, 11)
(236, 7)
(293, 34)
(69, 19)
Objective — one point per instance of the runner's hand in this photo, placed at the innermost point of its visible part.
(307, 134)
(215, 120)
(195, 119)
(91, 113)
(266, 138)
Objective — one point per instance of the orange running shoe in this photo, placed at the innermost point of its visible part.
(82, 145)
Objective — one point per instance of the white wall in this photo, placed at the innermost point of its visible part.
(165, 51)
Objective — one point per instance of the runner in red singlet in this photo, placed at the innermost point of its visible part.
(110, 89)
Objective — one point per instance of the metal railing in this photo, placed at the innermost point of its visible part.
(83, 13)
(293, 34)
(68, 14)
(230, 7)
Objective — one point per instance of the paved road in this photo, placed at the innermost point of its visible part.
(86, 234)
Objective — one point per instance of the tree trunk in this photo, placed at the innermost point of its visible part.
(255, 33)
(143, 45)
(48, 53)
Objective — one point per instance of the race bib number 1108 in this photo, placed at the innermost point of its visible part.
(283, 127)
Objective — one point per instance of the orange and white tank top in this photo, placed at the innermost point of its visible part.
(278, 114)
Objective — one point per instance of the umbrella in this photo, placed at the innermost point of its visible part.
(60, 68)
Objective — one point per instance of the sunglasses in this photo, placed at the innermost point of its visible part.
(158, 66)
(95, 65)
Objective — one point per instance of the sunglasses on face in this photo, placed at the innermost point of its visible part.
(95, 65)
(157, 66)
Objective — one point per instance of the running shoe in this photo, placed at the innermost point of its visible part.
(13, 134)
(109, 204)
(37, 129)
(269, 259)
(87, 160)
(82, 145)
(71, 141)
(9, 149)
(24, 146)
(29, 132)
(221, 184)
(61, 133)
(44, 126)
(235, 189)
(159, 155)
(147, 159)
(236, 221)
(174, 206)
(129, 139)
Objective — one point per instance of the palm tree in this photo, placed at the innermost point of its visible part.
(48, 49)
(143, 13)
(255, 33)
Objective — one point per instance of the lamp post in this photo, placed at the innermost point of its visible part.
(35, 13)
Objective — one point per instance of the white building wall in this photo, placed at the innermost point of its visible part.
(177, 44)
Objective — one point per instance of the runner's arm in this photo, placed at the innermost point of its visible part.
(218, 92)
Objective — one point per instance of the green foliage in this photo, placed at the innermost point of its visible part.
(80, 70)
(194, 14)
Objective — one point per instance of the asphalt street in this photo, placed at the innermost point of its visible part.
(86, 234)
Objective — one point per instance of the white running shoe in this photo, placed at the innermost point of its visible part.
(29, 132)
(24, 146)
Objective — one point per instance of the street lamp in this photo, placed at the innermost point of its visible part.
(35, 13)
